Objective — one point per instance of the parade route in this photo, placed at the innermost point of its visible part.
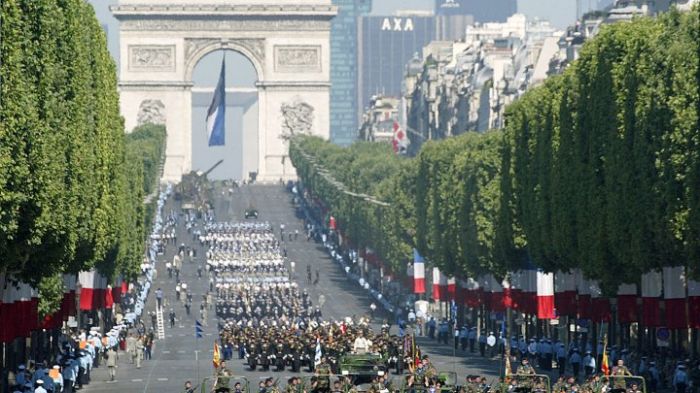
(175, 357)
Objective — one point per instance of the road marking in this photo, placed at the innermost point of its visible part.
(208, 334)
(114, 381)
(180, 351)
(162, 379)
(137, 380)
(168, 335)
(166, 352)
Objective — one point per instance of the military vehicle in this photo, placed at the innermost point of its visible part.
(362, 367)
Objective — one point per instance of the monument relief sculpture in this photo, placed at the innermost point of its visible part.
(150, 57)
(151, 111)
(298, 118)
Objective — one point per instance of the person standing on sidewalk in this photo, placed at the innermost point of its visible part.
(139, 352)
(159, 297)
(171, 316)
(112, 363)
(131, 347)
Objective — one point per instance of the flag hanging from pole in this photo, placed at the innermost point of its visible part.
(317, 356)
(216, 360)
(198, 329)
(216, 114)
(418, 272)
(604, 364)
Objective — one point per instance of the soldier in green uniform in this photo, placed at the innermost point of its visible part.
(323, 376)
(524, 374)
(223, 378)
(429, 370)
(525, 368)
(619, 373)
(472, 385)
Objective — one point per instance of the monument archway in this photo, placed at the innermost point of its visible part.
(287, 41)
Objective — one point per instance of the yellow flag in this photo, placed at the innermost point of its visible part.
(605, 365)
(217, 356)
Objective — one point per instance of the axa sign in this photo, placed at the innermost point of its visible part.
(397, 24)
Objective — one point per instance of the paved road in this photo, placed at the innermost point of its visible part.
(174, 357)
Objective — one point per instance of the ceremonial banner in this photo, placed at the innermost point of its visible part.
(583, 287)
(418, 272)
(528, 301)
(651, 292)
(674, 297)
(437, 278)
(409, 276)
(496, 294)
(599, 303)
(545, 295)
(216, 359)
(216, 114)
(694, 304)
(627, 303)
(565, 293)
(471, 292)
(92, 290)
(605, 364)
(452, 288)
(506, 284)
(515, 280)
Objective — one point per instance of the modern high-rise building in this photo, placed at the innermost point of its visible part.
(481, 10)
(344, 111)
(387, 43)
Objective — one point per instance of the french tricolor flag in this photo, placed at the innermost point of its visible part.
(545, 295)
(528, 297)
(437, 277)
(674, 297)
(565, 293)
(418, 272)
(627, 303)
(583, 286)
(452, 288)
(92, 290)
(694, 304)
(216, 114)
(496, 290)
(470, 292)
(651, 292)
(409, 275)
(600, 304)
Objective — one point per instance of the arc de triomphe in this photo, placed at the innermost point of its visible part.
(287, 41)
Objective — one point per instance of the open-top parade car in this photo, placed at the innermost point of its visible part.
(362, 367)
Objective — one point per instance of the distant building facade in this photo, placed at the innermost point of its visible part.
(379, 119)
(344, 108)
(454, 87)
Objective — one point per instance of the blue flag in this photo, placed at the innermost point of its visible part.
(198, 329)
(216, 114)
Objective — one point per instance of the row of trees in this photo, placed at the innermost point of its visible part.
(71, 187)
(597, 169)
